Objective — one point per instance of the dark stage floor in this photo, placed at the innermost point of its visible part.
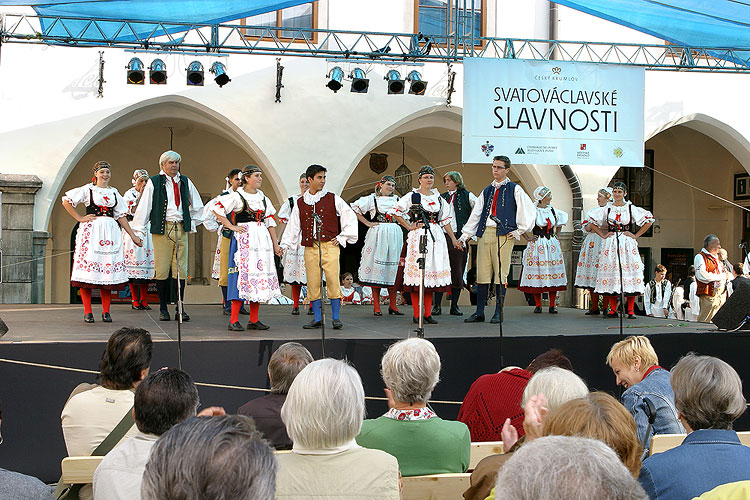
(63, 323)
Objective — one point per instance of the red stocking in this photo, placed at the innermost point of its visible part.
(376, 299)
(427, 304)
(392, 298)
(106, 299)
(236, 306)
(631, 304)
(552, 298)
(296, 290)
(594, 306)
(415, 303)
(613, 303)
(134, 294)
(143, 287)
(538, 299)
(86, 298)
(254, 306)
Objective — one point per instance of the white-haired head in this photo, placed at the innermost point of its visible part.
(325, 405)
(169, 156)
(557, 384)
(411, 370)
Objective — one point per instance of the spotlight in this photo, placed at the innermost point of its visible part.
(335, 75)
(195, 73)
(220, 71)
(395, 83)
(417, 86)
(135, 72)
(157, 72)
(360, 84)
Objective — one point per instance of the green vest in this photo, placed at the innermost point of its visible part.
(159, 204)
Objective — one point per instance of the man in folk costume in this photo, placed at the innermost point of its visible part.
(320, 213)
(171, 203)
(657, 298)
(710, 278)
(507, 202)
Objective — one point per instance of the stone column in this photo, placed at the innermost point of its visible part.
(20, 270)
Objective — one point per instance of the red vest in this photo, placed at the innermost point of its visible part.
(326, 208)
(712, 266)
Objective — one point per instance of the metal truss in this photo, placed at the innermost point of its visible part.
(228, 38)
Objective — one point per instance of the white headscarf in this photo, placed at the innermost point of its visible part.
(540, 193)
(607, 192)
(139, 174)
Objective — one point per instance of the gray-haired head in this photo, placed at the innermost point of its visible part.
(325, 405)
(566, 468)
(211, 457)
(710, 238)
(707, 392)
(169, 156)
(557, 384)
(285, 364)
(411, 370)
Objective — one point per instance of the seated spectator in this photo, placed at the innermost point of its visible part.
(636, 368)
(496, 397)
(739, 490)
(17, 486)
(566, 468)
(92, 412)
(162, 400)
(349, 293)
(284, 365)
(708, 396)
(548, 389)
(323, 413)
(210, 458)
(422, 442)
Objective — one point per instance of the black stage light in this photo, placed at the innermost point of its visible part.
(395, 83)
(220, 71)
(417, 86)
(157, 72)
(335, 76)
(195, 74)
(135, 72)
(360, 84)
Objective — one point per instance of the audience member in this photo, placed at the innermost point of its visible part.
(17, 486)
(496, 397)
(284, 365)
(210, 458)
(739, 490)
(708, 396)
(92, 412)
(164, 399)
(422, 442)
(323, 413)
(566, 468)
(636, 368)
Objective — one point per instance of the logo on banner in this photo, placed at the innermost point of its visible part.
(583, 147)
(556, 70)
(618, 152)
(582, 153)
(520, 151)
(487, 148)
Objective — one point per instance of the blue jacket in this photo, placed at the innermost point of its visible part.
(656, 388)
(706, 459)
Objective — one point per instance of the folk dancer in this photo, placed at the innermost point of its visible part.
(463, 202)
(293, 260)
(588, 260)
(425, 204)
(657, 297)
(251, 273)
(384, 240)
(98, 259)
(543, 264)
(710, 278)
(320, 213)
(620, 219)
(139, 260)
(170, 203)
(506, 202)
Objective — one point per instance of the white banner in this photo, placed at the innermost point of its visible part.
(552, 112)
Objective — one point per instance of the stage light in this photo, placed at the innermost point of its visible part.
(157, 72)
(195, 73)
(417, 86)
(395, 83)
(135, 72)
(360, 84)
(335, 76)
(220, 71)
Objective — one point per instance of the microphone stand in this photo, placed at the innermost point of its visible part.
(501, 298)
(179, 298)
(618, 232)
(318, 224)
(421, 262)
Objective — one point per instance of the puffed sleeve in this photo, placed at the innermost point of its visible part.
(596, 216)
(293, 232)
(525, 211)
(472, 199)
(364, 205)
(561, 216)
(401, 207)
(209, 218)
(349, 227)
(270, 220)
(285, 211)
(78, 195)
(641, 216)
(446, 212)
(196, 206)
(121, 207)
(226, 203)
(131, 200)
(143, 210)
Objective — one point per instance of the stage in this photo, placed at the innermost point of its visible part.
(230, 367)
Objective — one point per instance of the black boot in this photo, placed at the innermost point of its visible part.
(455, 294)
(181, 297)
(436, 300)
(162, 289)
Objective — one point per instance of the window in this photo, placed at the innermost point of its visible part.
(640, 183)
(437, 18)
(300, 17)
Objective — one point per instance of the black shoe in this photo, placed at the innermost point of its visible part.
(106, 318)
(553, 310)
(164, 316)
(257, 326)
(235, 327)
(474, 318)
(456, 312)
(312, 326)
(495, 318)
(88, 318)
(437, 310)
(145, 307)
(595, 312)
(135, 307)
(295, 311)
(428, 319)
(185, 317)
(631, 316)
(337, 324)
(611, 314)
(537, 310)
(244, 311)
(394, 312)
(377, 313)
(227, 312)
(309, 311)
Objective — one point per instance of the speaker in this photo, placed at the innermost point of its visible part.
(734, 313)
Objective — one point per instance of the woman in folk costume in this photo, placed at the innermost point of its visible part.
(252, 271)
(543, 265)
(616, 221)
(588, 260)
(425, 203)
(294, 258)
(383, 243)
(139, 261)
(99, 260)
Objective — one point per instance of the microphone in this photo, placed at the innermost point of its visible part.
(424, 218)
(742, 245)
(317, 218)
(496, 220)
